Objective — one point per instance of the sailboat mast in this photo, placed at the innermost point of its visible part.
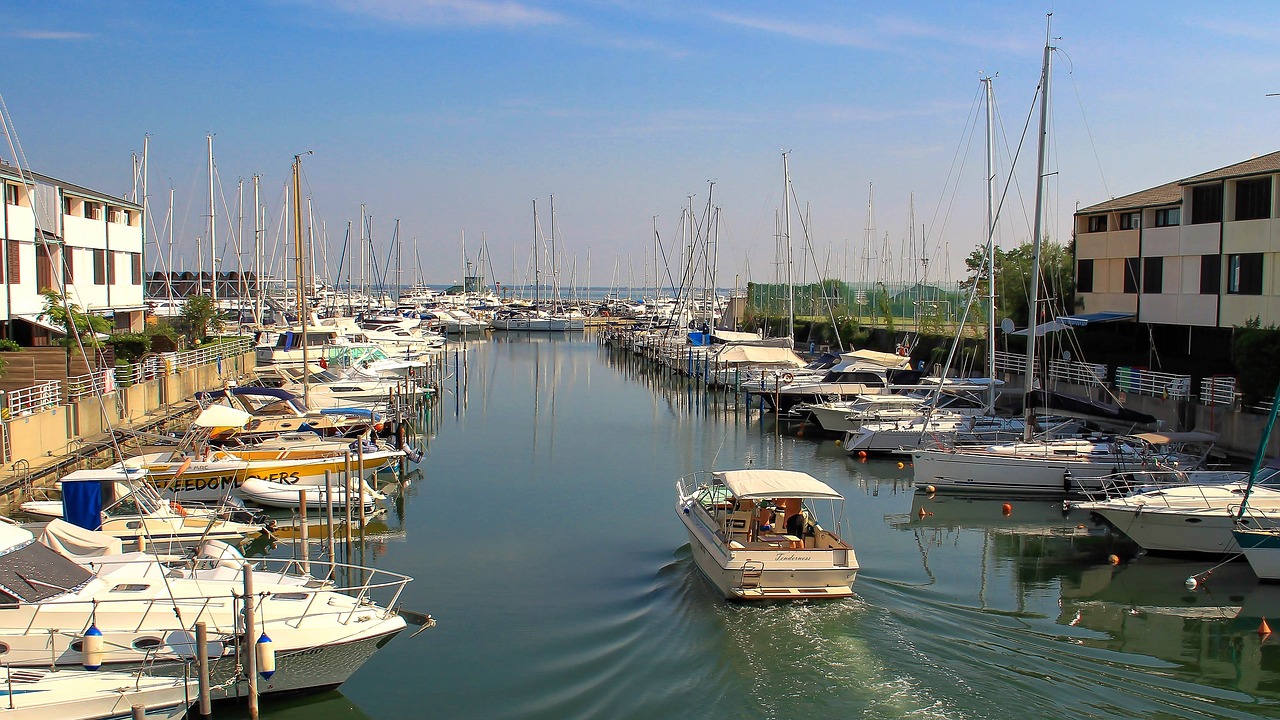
(991, 255)
(213, 262)
(537, 260)
(257, 251)
(786, 236)
(297, 251)
(1033, 300)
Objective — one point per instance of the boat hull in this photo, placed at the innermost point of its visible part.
(991, 472)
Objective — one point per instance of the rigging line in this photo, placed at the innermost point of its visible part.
(1085, 119)
(972, 115)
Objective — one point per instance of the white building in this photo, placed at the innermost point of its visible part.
(74, 240)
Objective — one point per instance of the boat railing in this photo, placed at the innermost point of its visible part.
(1123, 484)
(1152, 485)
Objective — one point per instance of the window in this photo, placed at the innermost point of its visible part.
(111, 268)
(1130, 220)
(92, 210)
(11, 194)
(135, 265)
(15, 263)
(1167, 217)
(1152, 275)
(1098, 223)
(68, 268)
(1253, 199)
(1206, 204)
(99, 267)
(1131, 275)
(1210, 274)
(1244, 274)
(1084, 276)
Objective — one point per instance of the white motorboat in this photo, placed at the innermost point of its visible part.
(1261, 547)
(277, 495)
(861, 372)
(755, 536)
(64, 694)
(144, 609)
(904, 434)
(1196, 514)
(120, 503)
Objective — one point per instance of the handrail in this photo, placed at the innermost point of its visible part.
(33, 398)
(1218, 390)
(1155, 384)
(1078, 373)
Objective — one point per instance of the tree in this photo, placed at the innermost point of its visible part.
(200, 316)
(78, 323)
(1013, 273)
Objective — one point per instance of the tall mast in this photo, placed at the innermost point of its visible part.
(298, 272)
(169, 275)
(1033, 301)
(537, 260)
(991, 253)
(257, 252)
(213, 242)
(786, 237)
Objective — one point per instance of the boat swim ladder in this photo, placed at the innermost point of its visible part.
(752, 570)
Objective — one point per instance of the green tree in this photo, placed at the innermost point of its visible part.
(78, 323)
(200, 316)
(1013, 280)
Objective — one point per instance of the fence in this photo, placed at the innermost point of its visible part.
(1218, 390)
(1156, 384)
(1011, 362)
(1078, 373)
(33, 399)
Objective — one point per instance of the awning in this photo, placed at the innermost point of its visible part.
(755, 484)
(1090, 318)
(38, 321)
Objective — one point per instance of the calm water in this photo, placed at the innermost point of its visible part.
(542, 536)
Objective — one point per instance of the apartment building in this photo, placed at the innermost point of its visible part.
(77, 241)
(1201, 253)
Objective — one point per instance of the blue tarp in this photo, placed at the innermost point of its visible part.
(82, 503)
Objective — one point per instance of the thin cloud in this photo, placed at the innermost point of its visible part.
(49, 35)
(1227, 28)
(451, 13)
(826, 34)
(876, 34)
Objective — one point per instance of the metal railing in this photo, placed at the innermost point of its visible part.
(1011, 362)
(98, 382)
(1078, 373)
(207, 354)
(32, 399)
(1218, 390)
(149, 368)
(1155, 384)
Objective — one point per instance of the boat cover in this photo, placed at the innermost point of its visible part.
(753, 484)
(73, 541)
(216, 416)
(756, 354)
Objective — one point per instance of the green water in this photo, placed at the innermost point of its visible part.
(542, 536)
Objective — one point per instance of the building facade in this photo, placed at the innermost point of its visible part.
(79, 242)
(1201, 252)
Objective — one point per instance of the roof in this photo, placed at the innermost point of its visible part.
(12, 173)
(1167, 194)
(755, 484)
(1101, 316)
(1253, 166)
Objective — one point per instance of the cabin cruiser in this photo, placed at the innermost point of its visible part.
(100, 607)
(119, 502)
(536, 321)
(64, 694)
(1195, 512)
(861, 372)
(755, 536)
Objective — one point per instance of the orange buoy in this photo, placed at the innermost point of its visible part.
(923, 512)
(1264, 629)
(900, 466)
(930, 489)
(1006, 509)
(862, 453)
(1113, 559)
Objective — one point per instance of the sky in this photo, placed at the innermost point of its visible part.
(454, 116)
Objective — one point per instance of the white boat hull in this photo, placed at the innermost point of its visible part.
(992, 472)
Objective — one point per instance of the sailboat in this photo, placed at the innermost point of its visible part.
(535, 319)
(1032, 466)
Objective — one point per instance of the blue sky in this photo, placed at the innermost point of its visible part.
(453, 116)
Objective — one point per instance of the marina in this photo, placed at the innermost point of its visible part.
(370, 437)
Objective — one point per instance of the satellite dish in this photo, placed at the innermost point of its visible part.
(1006, 325)
(1066, 355)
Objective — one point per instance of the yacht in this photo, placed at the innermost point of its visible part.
(64, 694)
(861, 372)
(144, 609)
(755, 536)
